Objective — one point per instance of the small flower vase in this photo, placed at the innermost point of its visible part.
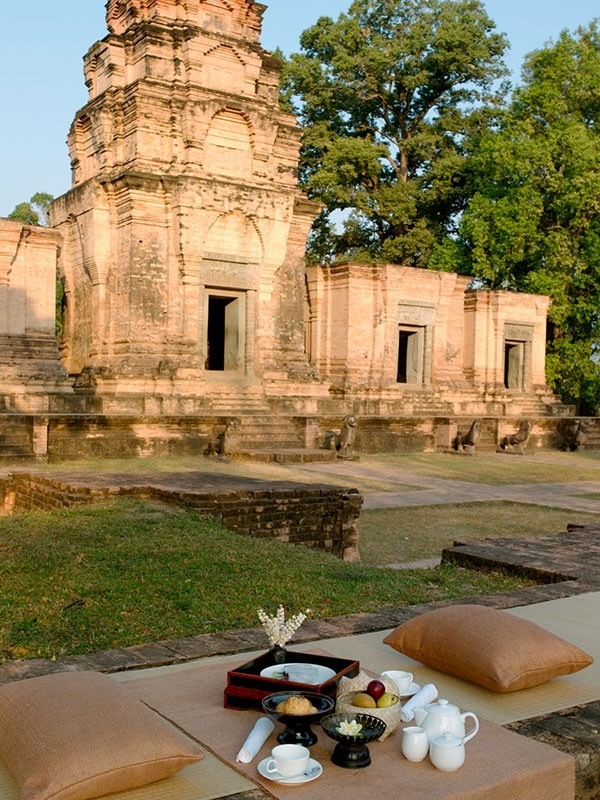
(278, 654)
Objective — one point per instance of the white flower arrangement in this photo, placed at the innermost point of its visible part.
(352, 728)
(279, 630)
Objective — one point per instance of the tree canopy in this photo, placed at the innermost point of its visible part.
(389, 94)
(34, 212)
(533, 223)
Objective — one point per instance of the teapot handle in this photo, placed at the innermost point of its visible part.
(472, 733)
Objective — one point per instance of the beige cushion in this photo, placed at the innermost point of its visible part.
(488, 647)
(77, 735)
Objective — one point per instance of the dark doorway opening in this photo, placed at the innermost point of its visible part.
(409, 357)
(513, 365)
(222, 339)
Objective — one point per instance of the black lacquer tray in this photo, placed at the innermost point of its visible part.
(246, 688)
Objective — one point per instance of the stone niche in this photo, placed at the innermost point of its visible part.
(31, 376)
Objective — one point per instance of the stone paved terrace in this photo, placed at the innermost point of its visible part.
(565, 565)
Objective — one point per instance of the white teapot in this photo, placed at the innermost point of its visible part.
(437, 718)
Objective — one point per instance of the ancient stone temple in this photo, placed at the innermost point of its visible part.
(184, 232)
(409, 341)
(189, 316)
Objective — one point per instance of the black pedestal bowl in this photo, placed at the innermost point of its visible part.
(351, 751)
(297, 726)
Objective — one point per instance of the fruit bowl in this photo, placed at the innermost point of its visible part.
(298, 726)
(351, 751)
(389, 714)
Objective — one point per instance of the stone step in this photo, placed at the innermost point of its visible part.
(235, 406)
(291, 455)
(15, 439)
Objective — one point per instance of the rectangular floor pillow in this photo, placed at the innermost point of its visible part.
(79, 735)
(486, 646)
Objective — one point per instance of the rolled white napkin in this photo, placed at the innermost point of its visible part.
(424, 696)
(256, 738)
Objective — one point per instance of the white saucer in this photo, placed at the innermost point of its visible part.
(413, 688)
(275, 776)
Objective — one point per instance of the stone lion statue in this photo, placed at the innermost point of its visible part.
(467, 441)
(347, 436)
(575, 434)
(517, 441)
(228, 441)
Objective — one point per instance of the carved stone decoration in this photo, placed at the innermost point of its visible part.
(347, 437)
(228, 441)
(466, 442)
(517, 441)
(575, 434)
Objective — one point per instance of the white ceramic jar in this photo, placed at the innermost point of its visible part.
(447, 752)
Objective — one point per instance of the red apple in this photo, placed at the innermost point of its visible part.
(376, 689)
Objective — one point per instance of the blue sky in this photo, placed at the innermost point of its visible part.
(41, 86)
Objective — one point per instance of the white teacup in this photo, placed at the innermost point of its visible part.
(402, 679)
(288, 760)
(415, 743)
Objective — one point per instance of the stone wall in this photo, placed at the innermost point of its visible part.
(75, 437)
(322, 517)
(31, 376)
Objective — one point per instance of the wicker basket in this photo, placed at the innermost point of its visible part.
(389, 715)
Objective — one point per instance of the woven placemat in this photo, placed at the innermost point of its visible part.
(500, 763)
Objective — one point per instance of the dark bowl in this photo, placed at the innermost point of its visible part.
(298, 730)
(372, 727)
(352, 752)
(321, 702)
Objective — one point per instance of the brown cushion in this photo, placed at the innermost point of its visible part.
(73, 736)
(486, 646)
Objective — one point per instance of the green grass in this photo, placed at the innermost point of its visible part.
(128, 571)
(397, 535)
(381, 472)
(497, 468)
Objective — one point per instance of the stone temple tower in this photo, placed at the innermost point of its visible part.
(184, 230)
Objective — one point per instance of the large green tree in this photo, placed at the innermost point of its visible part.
(34, 212)
(533, 223)
(388, 95)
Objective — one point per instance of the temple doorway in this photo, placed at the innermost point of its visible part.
(410, 355)
(224, 332)
(514, 354)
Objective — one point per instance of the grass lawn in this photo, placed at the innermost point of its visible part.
(130, 571)
(495, 468)
(397, 535)
(379, 472)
